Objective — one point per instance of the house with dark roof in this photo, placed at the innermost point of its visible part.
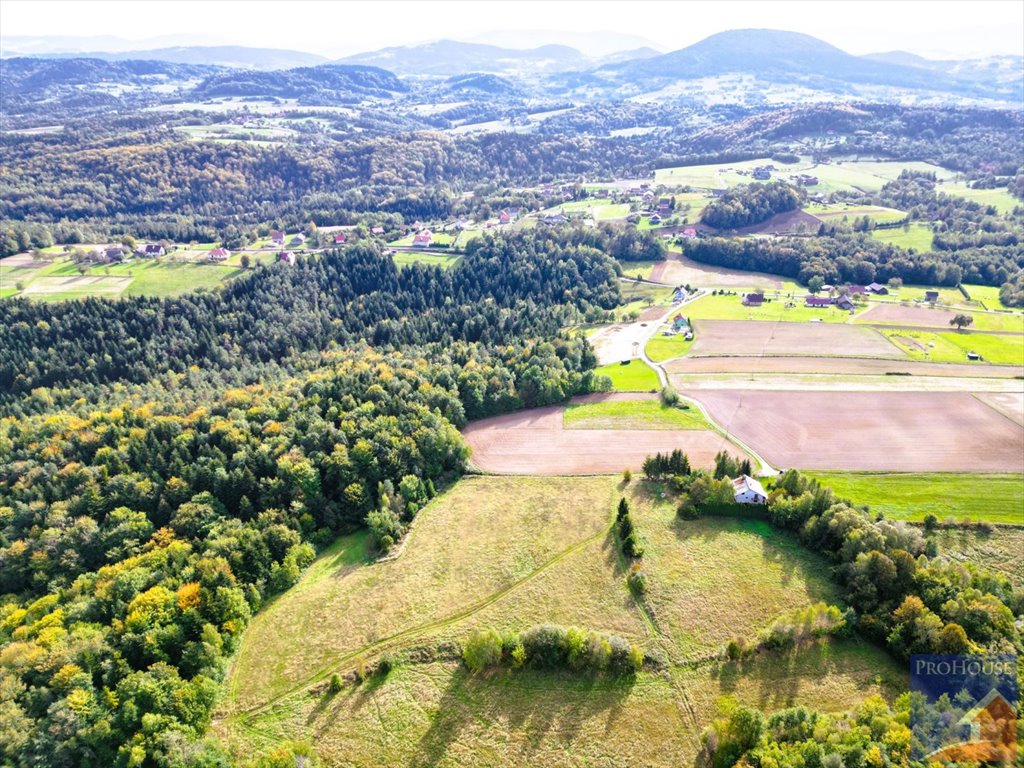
(654, 219)
(877, 289)
(859, 289)
(931, 296)
(154, 249)
(845, 302)
(753, 300)
(277, 236)
(665, 206)
(114, 253)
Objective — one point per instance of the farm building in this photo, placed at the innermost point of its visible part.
(219, 254)
(114, 253)
(277, 236)
(154, 249)
(746, 490)
(845, 302)
(817, 301)
(753, 300)
(299, 239)
(931, 296)
(286, 256)
(423, 239)
(878, 289)
(861, 289)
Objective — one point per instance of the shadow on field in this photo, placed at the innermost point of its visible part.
(536, 706)
(777, 676)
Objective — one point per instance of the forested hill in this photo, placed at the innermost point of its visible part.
(503, 289)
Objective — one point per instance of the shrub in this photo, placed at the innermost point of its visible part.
(637, 580)
(335, 684)
(669, 397)
(482, 650)
(385, 665)
(931, 522)
(632, 546)
(545, 646)
(623, 510)
(627, 476)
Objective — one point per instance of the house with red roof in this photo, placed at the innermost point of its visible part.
(277, 236)
(219, 254)
(287, 257)
(340, 239)
(423, 239)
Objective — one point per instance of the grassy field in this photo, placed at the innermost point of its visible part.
(835, 177)
(631, 269)
(635, 376)
(640, 296)
(1003, 201)
(530, 550)
(1001, 550)
(913, 496)
(917, 236)
(730, 307)
(61, 280)
(445, 260)
(952, 347)
(632, 414)
(661, 348)
(843, 212)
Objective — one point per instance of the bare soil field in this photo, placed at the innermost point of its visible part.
(836, 365)
(93, 284)
(904, 314)
(535, 442)
(870, 431)
(679, 270)
(754, 337)
(1010, 404)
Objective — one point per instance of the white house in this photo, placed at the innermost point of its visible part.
(746, 490)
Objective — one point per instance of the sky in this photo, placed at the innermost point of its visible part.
(938, 29)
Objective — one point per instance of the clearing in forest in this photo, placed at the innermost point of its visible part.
(509, 553)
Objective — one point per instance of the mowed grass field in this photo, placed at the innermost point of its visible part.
(952, 347)
(635, 376)
(544, 547)
(1001, 198)
(631, 414)
(914, 496)
(1000, 550)
(840, 175)
(783, 308)
(443, 260)
(61, 280)
(917, 236)
(661, 348)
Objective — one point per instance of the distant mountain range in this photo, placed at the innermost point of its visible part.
(763, 57)
(449, 57)
(235, 56)
(794, 58)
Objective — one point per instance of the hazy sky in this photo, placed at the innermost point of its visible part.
(962, 28)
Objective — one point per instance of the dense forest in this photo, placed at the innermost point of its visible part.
(139, 529)
(504, 289)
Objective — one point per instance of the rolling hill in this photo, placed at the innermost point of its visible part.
(448, 57)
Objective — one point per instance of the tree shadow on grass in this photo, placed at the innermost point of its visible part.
(535, 705)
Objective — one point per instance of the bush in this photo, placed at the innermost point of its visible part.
(931, 522)
(637, 580)
(669, 397)
(385, 665)
(632, 546)
(482, 650)
(335, 684)
(545, 646)
(627, 476)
